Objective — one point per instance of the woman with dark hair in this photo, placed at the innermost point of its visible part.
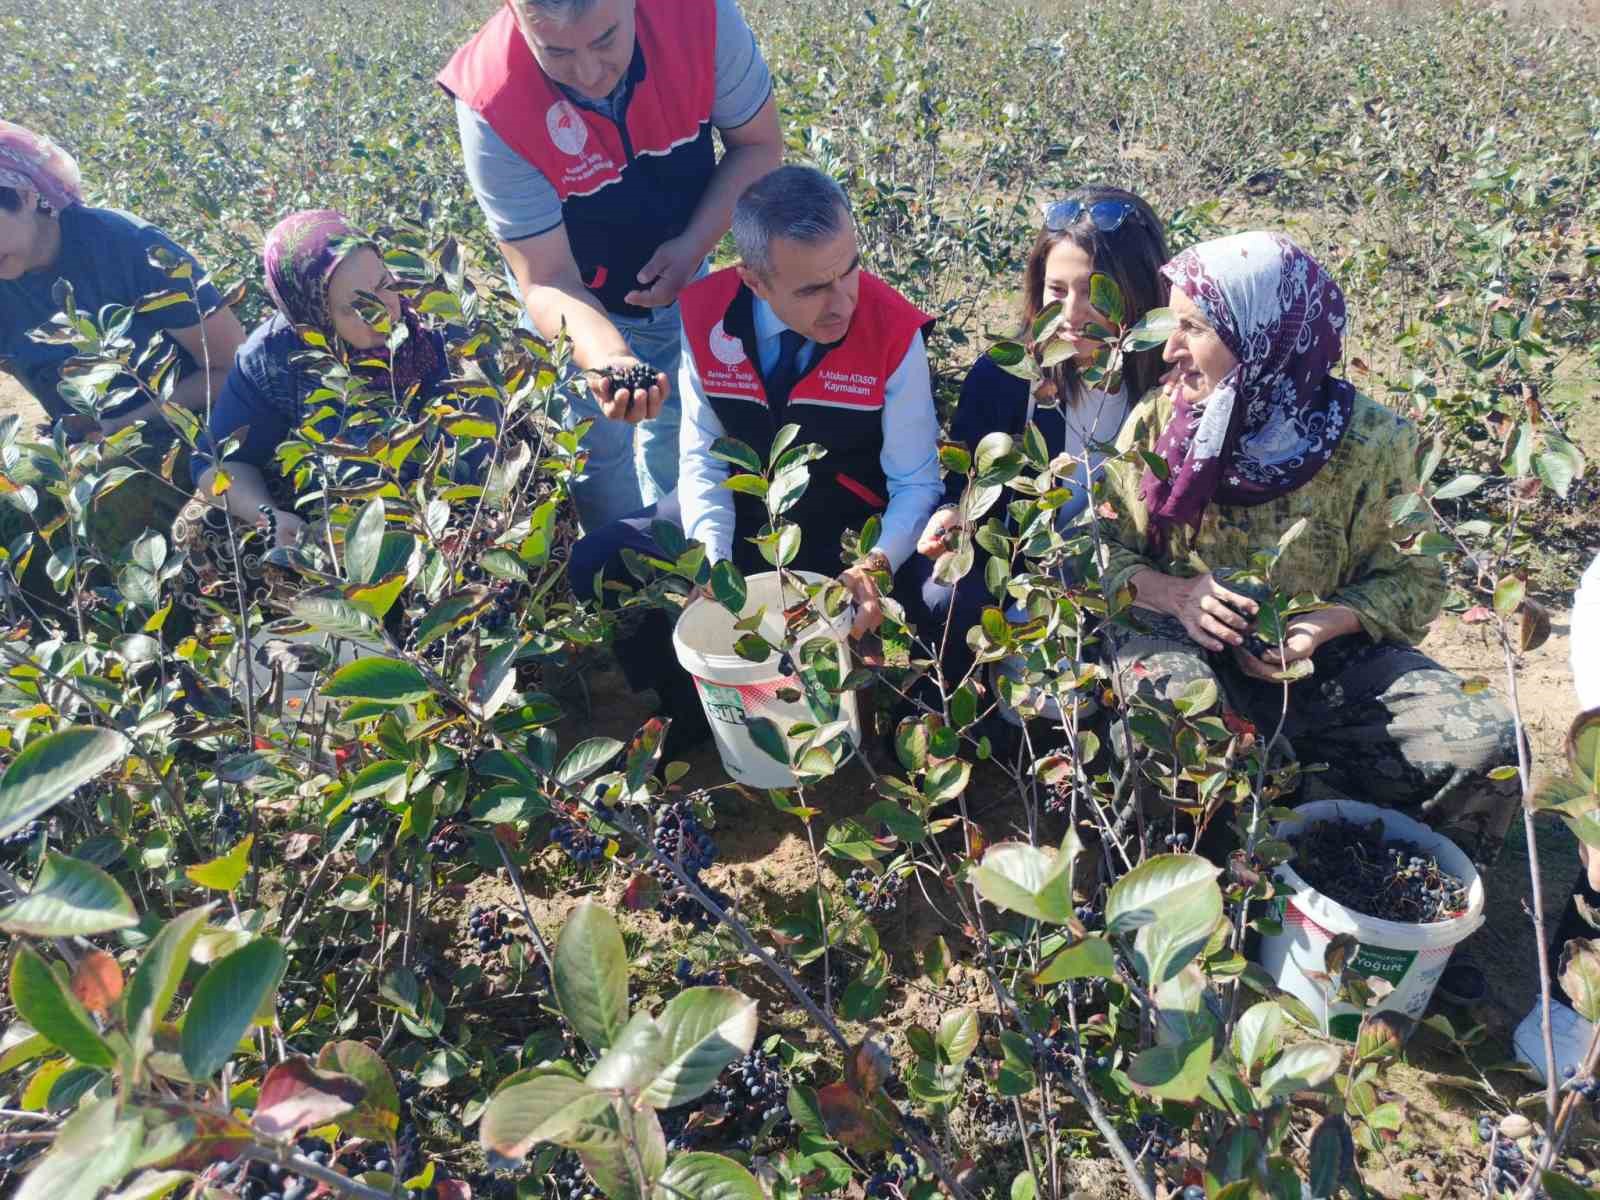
(1095, 230)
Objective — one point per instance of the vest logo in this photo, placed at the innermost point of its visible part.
(566, 127)
(727, 349)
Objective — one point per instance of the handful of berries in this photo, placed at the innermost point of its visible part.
(639, 377)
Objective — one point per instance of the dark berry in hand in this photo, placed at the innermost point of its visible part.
(640, 377)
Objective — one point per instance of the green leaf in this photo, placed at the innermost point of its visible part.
(1156, 887)
(851, 839)
(1169, 943)
(225, 1002)
(958, 1035)
(1173, 1072)
(225, 873)
(736, 452)
(1303, 1067)
(1026, 879)
(1461, 485)
(1508, 594)
(381, 680)
(1024, 1187)
(727, 584)
(700, 1175)
(1152, 330)
(549, 1107)
(1091, 958)
(93, 1150)
(1258, 1034)
(378, 1114)
(53, 1011)
(591, 975)
(69, 898)
(703, 1030)
(586, 758)
(1555, 471)
(1105, 295)
(624, 1151)
(161, 968)
(764, 733)
(364, 542)
(1561, 1187)
(330, 613)
(51, 768)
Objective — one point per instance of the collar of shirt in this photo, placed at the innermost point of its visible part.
(769, 328)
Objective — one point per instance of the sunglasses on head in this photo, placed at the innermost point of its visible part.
(1107, 215)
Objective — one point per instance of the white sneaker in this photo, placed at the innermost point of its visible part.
(1570, 1034)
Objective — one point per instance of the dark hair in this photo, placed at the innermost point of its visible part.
(10, 199)
(798, 203)
(1131, 254)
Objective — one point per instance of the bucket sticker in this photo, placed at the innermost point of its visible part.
(723, 703)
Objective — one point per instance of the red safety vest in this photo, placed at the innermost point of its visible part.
(837, 403)
(624, 188)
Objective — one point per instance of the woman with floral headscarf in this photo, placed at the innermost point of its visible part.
(1252, 435)
(48, 234)
(320, 271)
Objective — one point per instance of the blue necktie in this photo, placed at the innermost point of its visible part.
(785, 372)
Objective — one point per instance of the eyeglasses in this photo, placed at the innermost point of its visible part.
(1107, 215)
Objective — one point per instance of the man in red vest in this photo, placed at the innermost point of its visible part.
(586, 131)
(796, 334)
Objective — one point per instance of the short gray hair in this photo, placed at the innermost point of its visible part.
(798, 203)
(562, 11)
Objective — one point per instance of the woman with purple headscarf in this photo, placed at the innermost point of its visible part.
(320, 273)
(1252, 435)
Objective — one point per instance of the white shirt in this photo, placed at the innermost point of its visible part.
(1586, 638)
(910, 457)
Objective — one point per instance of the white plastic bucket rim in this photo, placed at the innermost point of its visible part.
(1396, 935)
(701, 636)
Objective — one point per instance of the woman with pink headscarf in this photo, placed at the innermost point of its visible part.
(48, 234)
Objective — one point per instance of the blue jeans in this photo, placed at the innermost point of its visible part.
(629, 466)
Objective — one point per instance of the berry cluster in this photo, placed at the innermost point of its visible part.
(755, 1096)
(1586, 1086)
(447, 843)
(488, 926)
(581, 846)
(680, 837)
(1509, 1168)
(894, 1177)
(688, 977)
(1393, 880)
(1177, 842)
(639, 377)
(569, 1181)
(16, 844)
(875, 894)
(228, 825)
(994, 1118)
(251, 1180)
(365, 810)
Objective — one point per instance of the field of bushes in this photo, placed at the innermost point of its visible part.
(445, 925)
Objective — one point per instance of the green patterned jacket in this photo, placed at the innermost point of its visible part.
(1345, 554)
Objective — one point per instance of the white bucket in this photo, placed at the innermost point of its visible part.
(1411, 957)
(733, 689)
(297, 683)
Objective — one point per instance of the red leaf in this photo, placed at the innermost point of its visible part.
(452, 1189)
(295, 1096)
(1476, 615)
(97, 983)
(642, 892)
(850, 1121)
